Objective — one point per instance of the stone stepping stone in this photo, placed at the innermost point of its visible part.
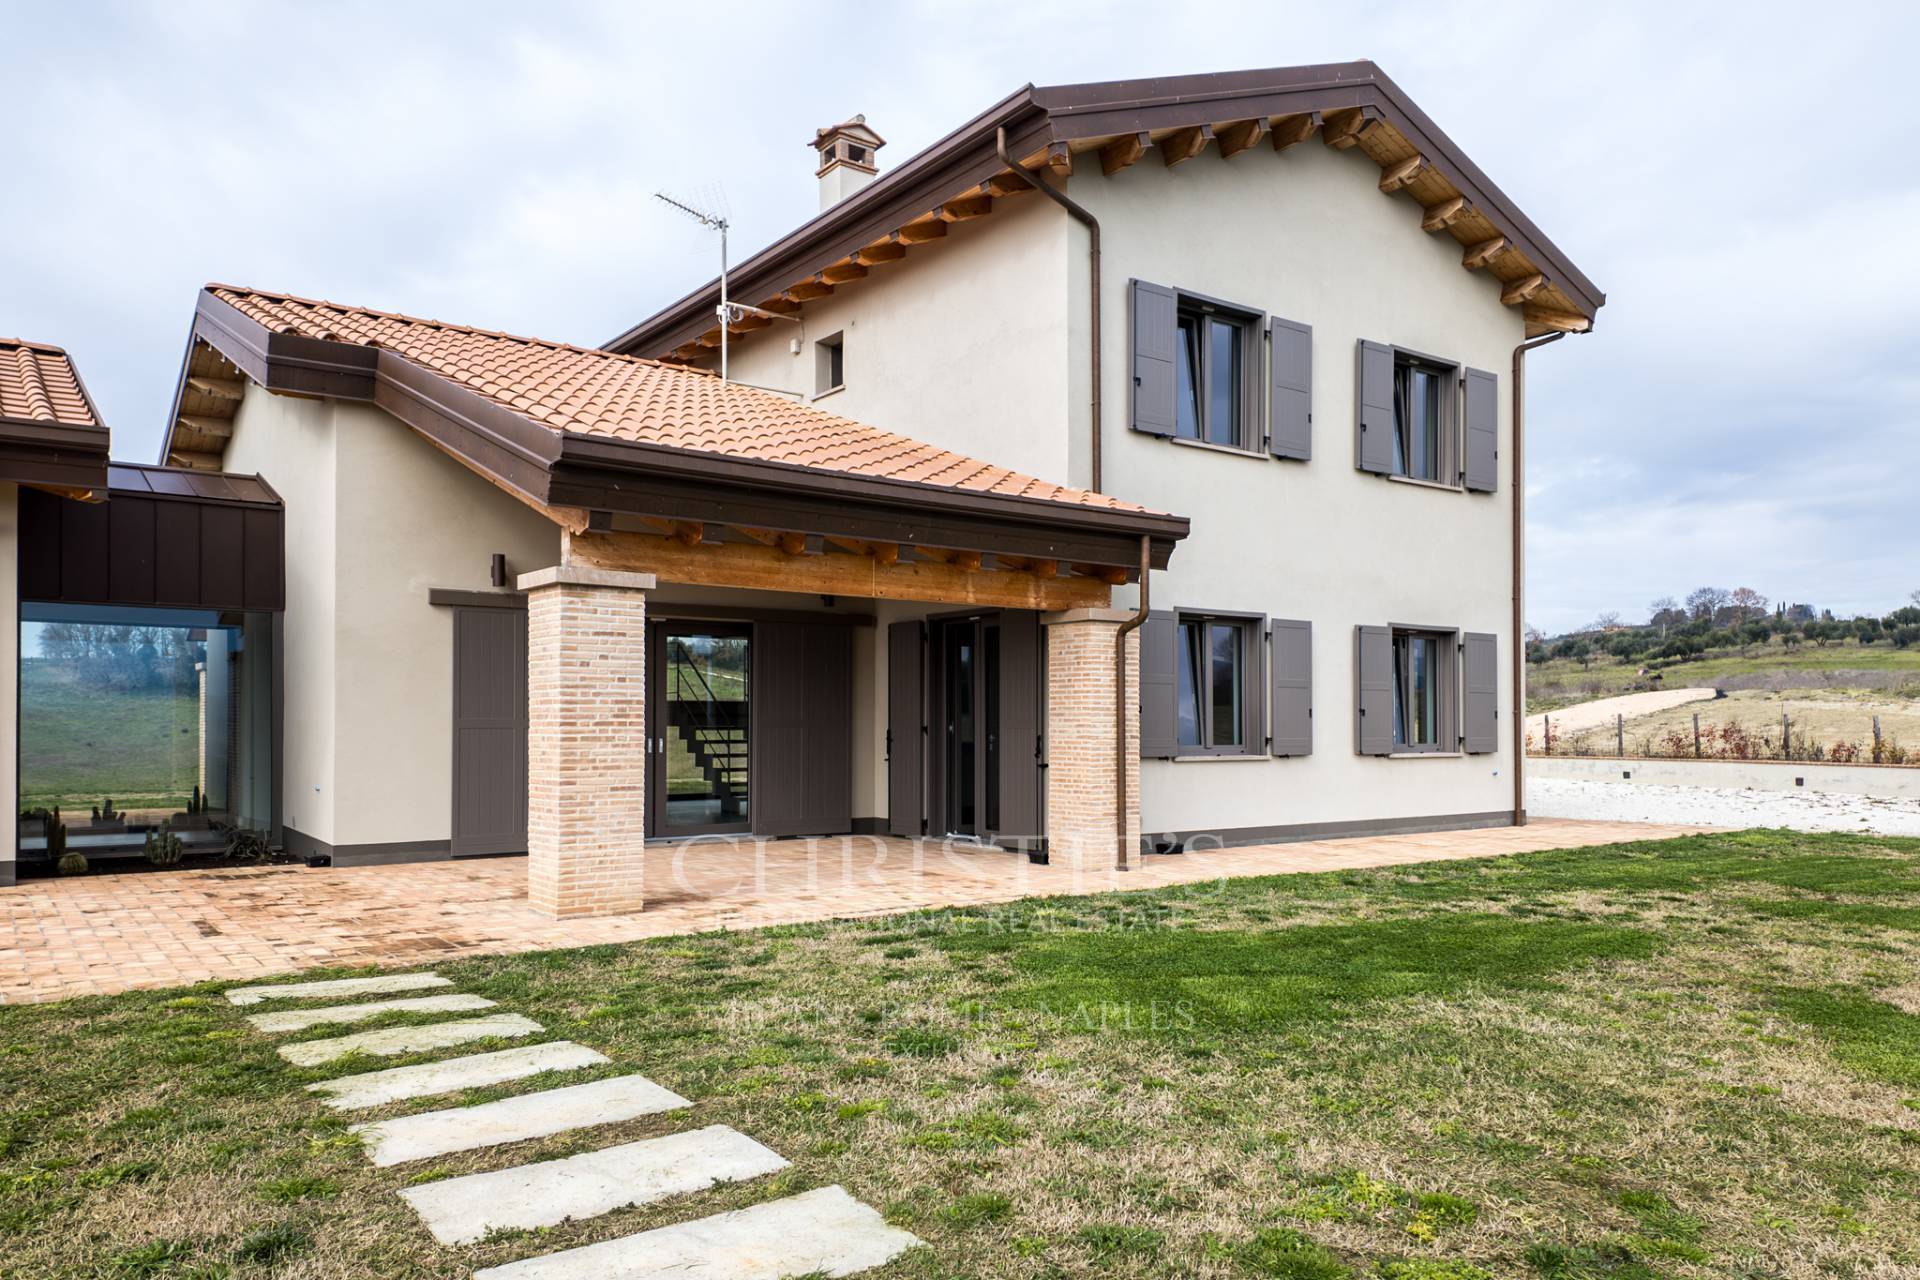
(336, 988)
(463, 1210)
(350, 1093)
(825, 1231)
(397, 1040)
(300, 1019)
(531, 1115)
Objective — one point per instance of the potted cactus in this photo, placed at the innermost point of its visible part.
(107, 819)
(68, 862)
(163, 846)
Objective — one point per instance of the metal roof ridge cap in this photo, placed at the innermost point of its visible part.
(1373, 75)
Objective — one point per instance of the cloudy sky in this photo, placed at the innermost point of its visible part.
(1737, 177)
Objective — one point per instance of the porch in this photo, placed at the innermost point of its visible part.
(104, 934)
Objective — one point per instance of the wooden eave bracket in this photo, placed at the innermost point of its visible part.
(1341, 130)
(1479, 255)
(1440, 216)
(1241, 135)
(1397, 176)
(1291, 131)
(920, 232)
(1519, 291)
(842, 272)
(218, 388)
(1123, 151)
(1184, 144)
(1557, 321)
(220, 427)
(964, 209)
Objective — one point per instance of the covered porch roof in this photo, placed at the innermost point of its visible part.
(654, 467)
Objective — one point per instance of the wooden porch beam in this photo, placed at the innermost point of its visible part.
(1558, 321)
(882, 552)
(1111, 574)
(1123, 151)
(1184, 144)
(1241, 135)
(749, 566)
(1291, 131)
(808, 290)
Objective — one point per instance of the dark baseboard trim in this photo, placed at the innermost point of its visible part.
(6, 875)
(1237, 837)
(305, 847)
(869, 826)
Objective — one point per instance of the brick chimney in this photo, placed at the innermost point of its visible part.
(847, 160)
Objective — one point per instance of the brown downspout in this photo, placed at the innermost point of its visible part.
(1092, 225)
(1519, 644)
(1122, 862)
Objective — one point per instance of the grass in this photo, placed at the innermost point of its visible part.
(1697, 1058)
(1893, 673)
(79, 744)
(1823, 718)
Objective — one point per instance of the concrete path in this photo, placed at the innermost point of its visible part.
(462, 1210)
(825, 1231)
(350, 1093)
(393, 1041)
(530, 1115)
(286, 1020)
(336, 988)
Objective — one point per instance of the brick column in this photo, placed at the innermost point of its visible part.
(1081, 797)
(586, 740)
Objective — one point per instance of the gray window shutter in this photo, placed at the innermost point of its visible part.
(1373, 419)
(1156, 333)
(1291, 665)
(1482, 470)
(1159, 696)
(1373, 690)
(1480, 725)
(1290, 430)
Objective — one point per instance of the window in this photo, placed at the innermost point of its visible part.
(1422, 420)
(1212, 359)
(829, 364)
(1423, 692)
(1216, 701)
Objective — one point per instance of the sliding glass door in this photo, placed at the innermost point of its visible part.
(701, 727)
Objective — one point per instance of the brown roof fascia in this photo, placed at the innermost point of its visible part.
(56, 455)
(583, 470)
(1066, 113)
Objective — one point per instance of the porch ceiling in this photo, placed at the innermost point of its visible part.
(642, 460)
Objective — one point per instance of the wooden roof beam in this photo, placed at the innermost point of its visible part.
(969, 560)
(807, 290)
(747, 324)
(1291, 131)
(1123, 151)
(194, 458)
(1479, 255)
(875, 254)
(1438, 217)
(1397, 176)
(1055, 156)
(841, 272)
(1241, 135)
(1341, 130)
(1004, 183)
(1519, 291)
(218, 388)
(1184, 144)
(218, 427)
(793, 544)
(882, 552)
(1557, 321)
(1111, 574)
(964, 209)
(920, 232)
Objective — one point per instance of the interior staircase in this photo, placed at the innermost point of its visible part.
(713, 729)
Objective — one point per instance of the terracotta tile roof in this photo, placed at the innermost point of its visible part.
(38, 384)
(594, 392)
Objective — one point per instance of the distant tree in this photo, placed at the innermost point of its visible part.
(1790, 639)
(1606, 621)
(1705, 602)
(1799, 613)
(1906, 635)
(1915, 597)
(1906, 615)
(1866, 630)
(1747, 604)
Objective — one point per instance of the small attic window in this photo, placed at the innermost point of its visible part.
(829, 365)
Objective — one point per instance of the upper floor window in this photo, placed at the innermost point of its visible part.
(829, 364)
(1210, 398)
(1422, 436)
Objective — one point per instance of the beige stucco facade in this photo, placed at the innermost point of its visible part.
(376, 518)
(980, 343)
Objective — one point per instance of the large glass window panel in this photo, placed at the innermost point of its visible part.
(1416, 691)
(1223, 382)
(1226, 685)
(1188, 380)
(1418, 412)
(1190, 702)
(708, 731)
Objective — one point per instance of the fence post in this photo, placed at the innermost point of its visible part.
(1786, 730)
(1696, 735)
(1876, 739)
(1620, 734)
(1546, 727)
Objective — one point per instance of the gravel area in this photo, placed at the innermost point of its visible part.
(1721, 806)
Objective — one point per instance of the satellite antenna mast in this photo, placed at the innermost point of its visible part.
(717, 223)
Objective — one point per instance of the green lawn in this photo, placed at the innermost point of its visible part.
(79, 744)
(1562, 682)
(1698, 1058)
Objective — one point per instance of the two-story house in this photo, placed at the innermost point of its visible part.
(1136, 466)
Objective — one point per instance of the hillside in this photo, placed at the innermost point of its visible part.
(1879, 669)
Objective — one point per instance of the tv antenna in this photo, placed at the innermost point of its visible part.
(729, 312)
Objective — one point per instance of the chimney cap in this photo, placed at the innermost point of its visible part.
(853, 127)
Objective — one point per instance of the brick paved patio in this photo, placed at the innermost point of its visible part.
(104, 933)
